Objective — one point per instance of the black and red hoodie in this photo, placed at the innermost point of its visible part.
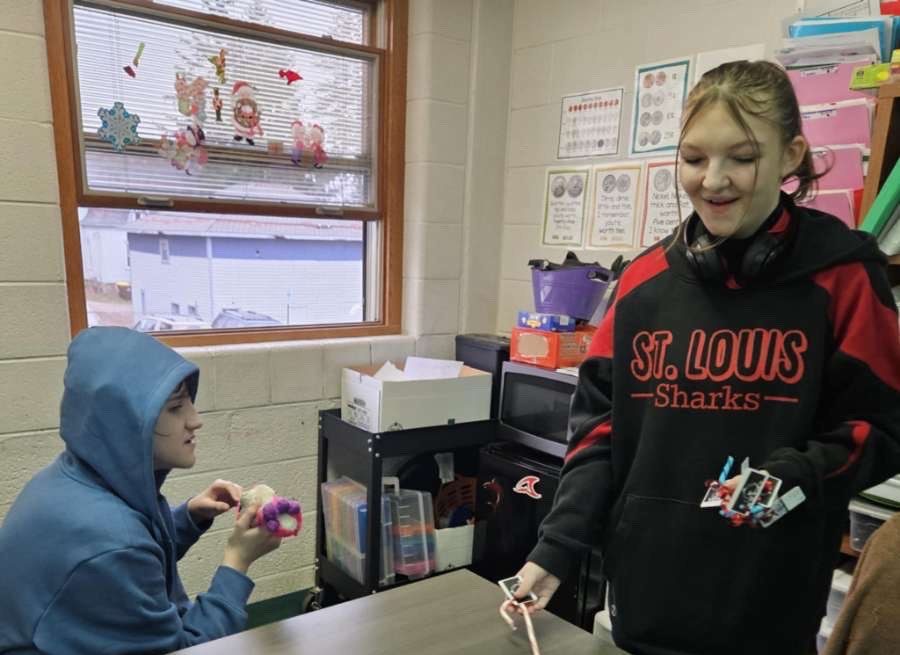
(798, 370)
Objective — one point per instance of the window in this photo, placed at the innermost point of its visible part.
(255, 146)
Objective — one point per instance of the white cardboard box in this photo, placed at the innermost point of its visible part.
(382, 405)
(453, 547)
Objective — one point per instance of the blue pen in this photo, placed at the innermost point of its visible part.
(723, 476)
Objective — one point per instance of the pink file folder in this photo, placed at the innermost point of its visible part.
(822, 84)
(844, 165)
(836, 203)
(838, 124)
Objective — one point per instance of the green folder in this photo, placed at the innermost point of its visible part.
(885, 203)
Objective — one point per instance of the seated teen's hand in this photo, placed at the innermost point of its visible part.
(247, 543)
(216, 499)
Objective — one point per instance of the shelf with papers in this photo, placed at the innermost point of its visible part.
(885, 143)
(891, 90)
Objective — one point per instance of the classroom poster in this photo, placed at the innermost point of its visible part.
(710, 59)
(589, 123)
(659, 94)
(615, 208)
(564, 206)
(661, 213)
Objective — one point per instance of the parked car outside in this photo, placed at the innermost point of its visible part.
(233, 317)
(170, 322)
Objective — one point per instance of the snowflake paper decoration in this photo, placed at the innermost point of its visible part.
(119, 126)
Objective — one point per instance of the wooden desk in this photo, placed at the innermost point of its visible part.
(455, 613)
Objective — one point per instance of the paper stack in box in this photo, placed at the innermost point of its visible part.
(417, 393)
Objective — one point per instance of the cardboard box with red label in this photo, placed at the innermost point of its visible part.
(550, 349)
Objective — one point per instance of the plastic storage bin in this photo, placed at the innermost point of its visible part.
(840, 585)
(345, 510)
(453, 547)
(413, 528)
(824, 633)
(865, 518)
(573, 288)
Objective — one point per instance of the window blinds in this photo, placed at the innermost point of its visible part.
(336, 92)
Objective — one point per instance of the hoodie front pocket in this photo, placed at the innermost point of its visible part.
(684, 578)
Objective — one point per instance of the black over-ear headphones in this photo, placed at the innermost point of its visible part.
(765, 249)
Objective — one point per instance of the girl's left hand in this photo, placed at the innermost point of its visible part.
(216, 499)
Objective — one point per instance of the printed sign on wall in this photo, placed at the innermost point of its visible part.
(564, 206)
(589, 124)
(659, 94)
(615, 208)
(662, 212)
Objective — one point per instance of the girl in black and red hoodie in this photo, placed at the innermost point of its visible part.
(760, 329)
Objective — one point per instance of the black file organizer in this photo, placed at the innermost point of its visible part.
(359, 454)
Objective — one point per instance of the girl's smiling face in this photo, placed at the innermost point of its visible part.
(733, 178)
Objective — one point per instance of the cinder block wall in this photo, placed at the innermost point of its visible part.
(259, 403)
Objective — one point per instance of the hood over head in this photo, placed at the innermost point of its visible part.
(116, 383)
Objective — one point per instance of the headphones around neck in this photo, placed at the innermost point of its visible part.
(764, 250)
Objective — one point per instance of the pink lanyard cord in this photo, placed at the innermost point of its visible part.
(504, 612)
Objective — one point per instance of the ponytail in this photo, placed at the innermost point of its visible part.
(807, 178)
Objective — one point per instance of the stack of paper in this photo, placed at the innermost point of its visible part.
(844, 168)
(420, 368)
(862, 46)
(820, 57)
(887, 493)
(814, 27)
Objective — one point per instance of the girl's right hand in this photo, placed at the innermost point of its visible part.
(543, 583)
(246, 544)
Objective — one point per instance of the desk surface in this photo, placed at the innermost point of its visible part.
(454, 613)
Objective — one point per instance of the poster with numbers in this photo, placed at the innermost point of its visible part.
(661, 204)
(615, 209)
(659, 93)
(564, 206)
(589, 123)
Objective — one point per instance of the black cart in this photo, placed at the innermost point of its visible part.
(345, 449)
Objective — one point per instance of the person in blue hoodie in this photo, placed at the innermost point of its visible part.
(89, 548)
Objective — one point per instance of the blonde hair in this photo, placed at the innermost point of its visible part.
(760, 89)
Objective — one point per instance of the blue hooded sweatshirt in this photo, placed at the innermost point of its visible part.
(88, 550)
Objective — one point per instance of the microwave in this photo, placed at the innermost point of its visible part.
(534, 407)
